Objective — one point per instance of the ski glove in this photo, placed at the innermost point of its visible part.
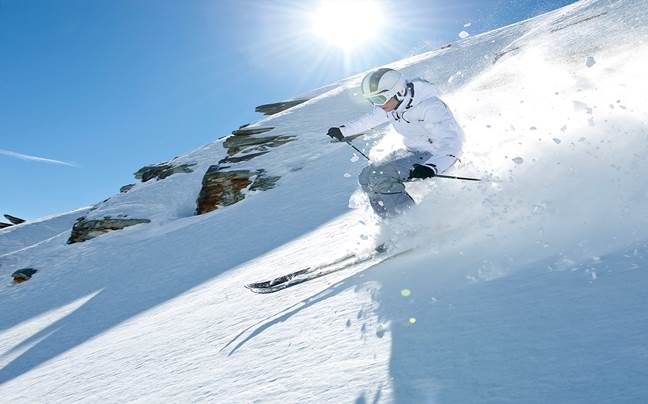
(336, 133)
(422, 171)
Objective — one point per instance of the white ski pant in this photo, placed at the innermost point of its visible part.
(384, 182)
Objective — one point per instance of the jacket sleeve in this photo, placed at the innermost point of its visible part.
(445, 133)
(370, 120)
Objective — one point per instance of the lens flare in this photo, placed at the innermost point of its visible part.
(347, 24)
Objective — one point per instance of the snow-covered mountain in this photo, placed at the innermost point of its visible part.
(526, 287)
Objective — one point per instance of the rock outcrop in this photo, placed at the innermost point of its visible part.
(505, 52)
(245, 140)
(14, 219)
(161, 171)
(84, 229)
(239, 159)
(263, 182)
(126, 188)
(223, 188)
(245, 130)
(23, 275)
(274, 108)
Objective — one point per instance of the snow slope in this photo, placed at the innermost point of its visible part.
(527, 287)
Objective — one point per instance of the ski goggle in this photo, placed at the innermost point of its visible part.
(380, 99)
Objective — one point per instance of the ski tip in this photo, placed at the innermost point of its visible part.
(381, 248)
(260, 291)
(252, 287)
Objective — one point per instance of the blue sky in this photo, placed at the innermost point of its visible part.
(90, 91)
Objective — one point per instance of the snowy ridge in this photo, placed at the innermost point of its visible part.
(527, 287)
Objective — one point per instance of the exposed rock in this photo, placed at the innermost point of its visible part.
(244, 139)
(499, 55)
(245, 157)
(571, 24)
(126, 188)
(99, 204)
(222, 188)
(271, 109)
(263, 182)
(161, 171)
(236, 144)
(84, 230)
(14, 219)
(242, 131)
(148, 172)
(23, 275)
(5, 225)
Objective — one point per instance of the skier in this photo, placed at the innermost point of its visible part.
(432, 137)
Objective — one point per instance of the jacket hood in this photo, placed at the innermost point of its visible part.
(417, 91)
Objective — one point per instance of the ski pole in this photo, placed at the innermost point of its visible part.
(358, 150)
(452, 177)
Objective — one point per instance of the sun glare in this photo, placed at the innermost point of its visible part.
(346, 24)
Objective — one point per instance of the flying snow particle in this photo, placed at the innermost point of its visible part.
(347, 175)
(354, 158)
(518, 160)
(412, 320)
(590, 61)
(468, 24)
(406, 292)
(455, 76)
(463, 35)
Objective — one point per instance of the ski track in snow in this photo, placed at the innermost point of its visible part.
(526, 287)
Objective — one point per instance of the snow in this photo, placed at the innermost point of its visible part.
(526, 287)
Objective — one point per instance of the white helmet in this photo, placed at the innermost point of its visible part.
(379, 86)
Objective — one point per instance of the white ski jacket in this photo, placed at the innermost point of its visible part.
(424, 121)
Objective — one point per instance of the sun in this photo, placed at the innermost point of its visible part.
(346, 24)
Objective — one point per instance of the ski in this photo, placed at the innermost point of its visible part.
(288, 277)
(307, 274)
